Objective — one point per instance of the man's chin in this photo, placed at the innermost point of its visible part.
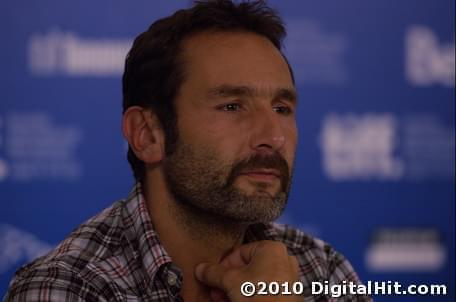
(264, 206)
(245, 209)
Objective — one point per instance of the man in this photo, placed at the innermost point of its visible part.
(209, 115)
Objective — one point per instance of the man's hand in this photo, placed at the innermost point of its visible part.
(266, 261)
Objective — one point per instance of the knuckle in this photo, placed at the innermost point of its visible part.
(263, 244)
(207, 272)
(278, 247)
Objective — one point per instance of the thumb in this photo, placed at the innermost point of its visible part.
(212, 275)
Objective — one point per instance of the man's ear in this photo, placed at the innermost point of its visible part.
(144, 133)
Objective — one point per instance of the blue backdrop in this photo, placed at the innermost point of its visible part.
(375, 167)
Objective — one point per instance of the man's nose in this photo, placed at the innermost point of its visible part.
(267, 134)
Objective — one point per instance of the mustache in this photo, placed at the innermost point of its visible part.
(260, 161)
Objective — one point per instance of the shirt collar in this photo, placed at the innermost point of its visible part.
(141, 233)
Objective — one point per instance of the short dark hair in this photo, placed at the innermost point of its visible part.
(154, 68)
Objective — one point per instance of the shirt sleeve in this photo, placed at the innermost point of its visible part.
(341, 271)
(51, 284)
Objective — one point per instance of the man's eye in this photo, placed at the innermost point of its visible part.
(283, 110)
(231, 107)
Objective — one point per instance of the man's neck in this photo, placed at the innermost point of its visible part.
(190, 236)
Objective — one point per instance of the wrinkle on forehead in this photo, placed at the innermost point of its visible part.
(227, 90)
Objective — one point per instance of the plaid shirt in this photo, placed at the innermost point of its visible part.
(117, 256)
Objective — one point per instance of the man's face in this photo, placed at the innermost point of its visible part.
(237, 128)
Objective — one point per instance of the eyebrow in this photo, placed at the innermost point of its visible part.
(225, 90)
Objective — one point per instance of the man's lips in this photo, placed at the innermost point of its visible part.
(263, 174)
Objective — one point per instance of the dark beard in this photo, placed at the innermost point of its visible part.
(203, 184)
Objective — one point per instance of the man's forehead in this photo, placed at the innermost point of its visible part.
(219, 40)
(227, 90)
(236, 63)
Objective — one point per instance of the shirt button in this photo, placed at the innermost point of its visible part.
(172, 280)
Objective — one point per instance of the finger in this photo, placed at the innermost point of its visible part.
(260, 249)
(244, 253)
(211, 274)
(233, 260)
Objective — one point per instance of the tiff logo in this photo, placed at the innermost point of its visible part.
(360, 147)
(58, 52)
(428, 61)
